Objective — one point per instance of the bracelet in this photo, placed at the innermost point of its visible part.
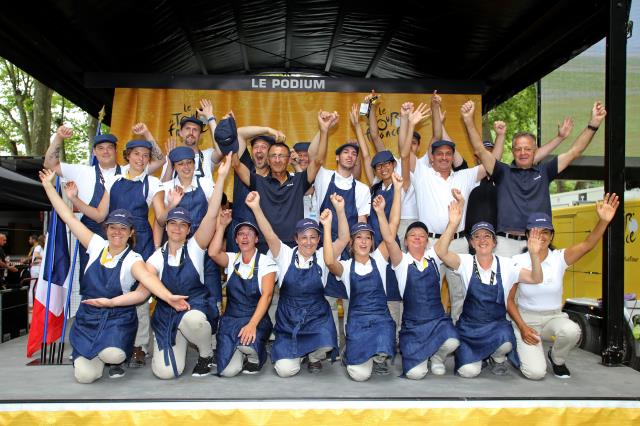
(212, 118)
(590, 127)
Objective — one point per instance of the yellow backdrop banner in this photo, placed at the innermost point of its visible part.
(294, 113)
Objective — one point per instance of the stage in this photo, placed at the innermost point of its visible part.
(594, 394)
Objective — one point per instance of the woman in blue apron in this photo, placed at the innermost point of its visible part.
(106, 321)
(245, 327)
(370, 330)
(180, 264)
(485, 332)
(304, 324)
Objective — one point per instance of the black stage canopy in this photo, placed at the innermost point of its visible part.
(504, 44)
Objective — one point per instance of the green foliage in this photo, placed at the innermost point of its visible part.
(77, 147)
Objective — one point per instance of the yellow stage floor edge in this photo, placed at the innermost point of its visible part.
(311, 413)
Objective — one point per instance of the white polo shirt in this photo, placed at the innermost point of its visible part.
(206, 184)
(155, 185)
(321, 184)
(363, 269)
(284, 261)
(509, 271)
(402, 269)
(97, 244)
(195, 252)
(433, 193)
(84, 177)
(547, 295)
(409, 209)
(265, 266)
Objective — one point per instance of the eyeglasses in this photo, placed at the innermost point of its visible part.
(381, 165)
(278, 156)
(523, 149)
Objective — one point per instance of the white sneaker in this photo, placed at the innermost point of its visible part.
(438, 368)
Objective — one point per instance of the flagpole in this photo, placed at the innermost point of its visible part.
(50, 249)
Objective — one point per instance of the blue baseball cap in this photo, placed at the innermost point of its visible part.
(304, 224)
(416, 136)
(483, 225)
(181, 153)
(179, 213)
(416, 224)
(361, 226)
(346, 145)
(438, 144)
(539, 220)
(301, 146)
(382, 157)
(106, 137)
(191, 119)
(488, 144)
(241, 224)
(226, 135)
(138, 143)
(120, 216)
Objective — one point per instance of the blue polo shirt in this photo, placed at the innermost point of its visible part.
(282, 204)
(521, 192)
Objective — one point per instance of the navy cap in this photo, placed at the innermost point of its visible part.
(483, 225)
(267, 138)
(106, 137)
(539, 220)
(361, 226)
(138, 143)
(487, 144)
(438, 144)
(181, 153)
(416, 135)
(120, 216)
(304, 224)
(241, 224)
(416, 224)
(179, 213)
(382, 157)
(346, 145)
(301, 147)
(226, 135)
(191, 119)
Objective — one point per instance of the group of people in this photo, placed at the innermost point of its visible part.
(301, 236)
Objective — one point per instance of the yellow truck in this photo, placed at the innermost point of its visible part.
(583, 281)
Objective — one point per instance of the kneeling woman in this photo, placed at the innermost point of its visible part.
(106, 321)
(304, 324)
(244, 328)
(180, 264)
(537, 314)
(370, 330)
(484, 330)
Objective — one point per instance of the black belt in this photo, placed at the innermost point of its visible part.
(455, 236)
(512, 236)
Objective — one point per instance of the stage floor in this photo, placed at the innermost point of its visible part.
(589, 381)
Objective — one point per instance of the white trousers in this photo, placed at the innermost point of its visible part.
(471, 370)
(89, 370)
(454, 282)
(421, 370)
(288, 367)
(235, 364)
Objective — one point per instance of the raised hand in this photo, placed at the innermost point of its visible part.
(324, 120)
(370, 96)
(419, 114)
(534, 243)
(406, 109)
(224, 218)
(436, 99)
(253, 200)
(225, 165)
(598, 113)
(354, 115)
(326, 217)
(467, 109)
(64, 132)
(293, 158)
(278, 135)
(206, 108)
(71, 190)
(175, 196)
(457, 195)
(564, 129)
(378, 204)
(247, 334)
(456, 207)
(47, 176)
(337, 201)
(607, 208)
(335, 117)
(500, 127)
(179, 303)
(397, 181)
(139, 129)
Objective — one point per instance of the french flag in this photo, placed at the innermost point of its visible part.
(51, 290)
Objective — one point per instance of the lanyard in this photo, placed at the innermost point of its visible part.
(253, 264)
(477, 272)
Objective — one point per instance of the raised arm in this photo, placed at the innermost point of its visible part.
(486, 158)
(171, 143)
(206, 109)
(207, 227)
(436, 120)
(157, 157)
(247, 333)
(274, 243)
(598, 113)
(354, 117)
(606, 210)
(241, 170)
(52, 156)
(215, 251)
(534, 245)
(343, 225)
(318, 146)
(529, 335)
(373, 122)
(98, 214)
(333, 265)
(404, 145)
(82, 233)
(500, 127)
(564, 131)
(450, 258)
(388, 233)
